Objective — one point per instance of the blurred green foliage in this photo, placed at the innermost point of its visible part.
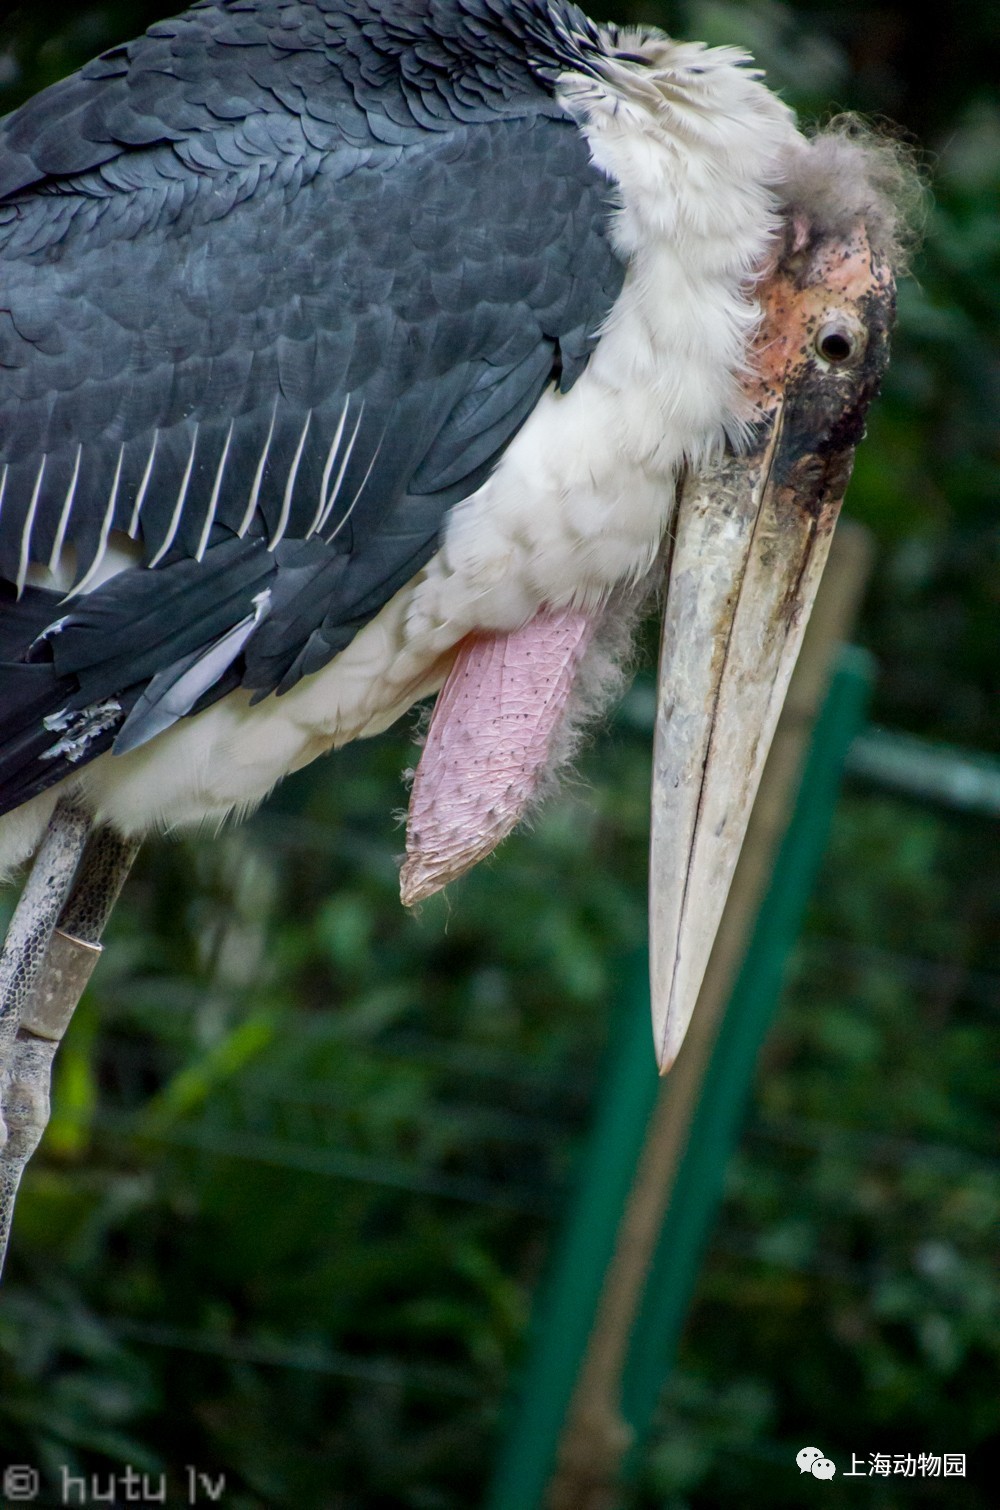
(307, 1152)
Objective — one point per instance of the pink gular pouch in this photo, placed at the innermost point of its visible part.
(489, 744)
(748, 543)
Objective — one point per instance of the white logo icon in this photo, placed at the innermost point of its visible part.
(21, 1482)
(812, 1460)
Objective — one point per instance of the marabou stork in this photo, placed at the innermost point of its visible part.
(350, 349)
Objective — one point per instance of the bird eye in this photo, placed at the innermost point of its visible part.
(837, 343)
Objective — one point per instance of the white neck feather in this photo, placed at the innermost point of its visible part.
(695, 144)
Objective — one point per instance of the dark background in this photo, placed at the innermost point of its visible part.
(308, 1152)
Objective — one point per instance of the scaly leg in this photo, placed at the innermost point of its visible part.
(50, 952)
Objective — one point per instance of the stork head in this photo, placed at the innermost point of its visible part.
(744, 556)
(750, 540)
(751, 536)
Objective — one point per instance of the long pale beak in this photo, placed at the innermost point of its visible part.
(750, 541)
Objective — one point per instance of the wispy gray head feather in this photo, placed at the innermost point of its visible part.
(849, 171)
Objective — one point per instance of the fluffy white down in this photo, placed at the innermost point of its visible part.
(583, 495)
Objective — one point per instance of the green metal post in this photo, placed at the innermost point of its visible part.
(698, 1187)
(566, 1312)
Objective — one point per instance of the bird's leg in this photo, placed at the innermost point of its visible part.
(36, 915)
(22, 964)
(51, 950)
